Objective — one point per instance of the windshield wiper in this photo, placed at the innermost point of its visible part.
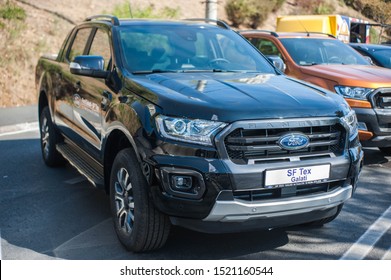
(155, 71)
(230, 71)
(144, 72)
(309, 63)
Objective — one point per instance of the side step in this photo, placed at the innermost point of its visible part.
(84, 163)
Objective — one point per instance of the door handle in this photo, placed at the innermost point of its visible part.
(107, 97)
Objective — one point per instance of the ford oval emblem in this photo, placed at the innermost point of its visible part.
(294, 141)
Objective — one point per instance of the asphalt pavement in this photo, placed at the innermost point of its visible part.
(18, 115)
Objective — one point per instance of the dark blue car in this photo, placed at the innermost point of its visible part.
(380, 54)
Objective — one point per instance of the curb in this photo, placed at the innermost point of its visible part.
(18, 128)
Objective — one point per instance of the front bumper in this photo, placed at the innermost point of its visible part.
(234, 194)
(378, 122)
(231, 210)
(377, 119)
(222, 177)
(229, 215)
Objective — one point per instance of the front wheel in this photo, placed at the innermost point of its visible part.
(49, 139)
(138, 224)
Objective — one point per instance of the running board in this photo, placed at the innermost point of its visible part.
(84, 163)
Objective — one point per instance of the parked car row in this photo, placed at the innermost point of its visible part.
(322, 60)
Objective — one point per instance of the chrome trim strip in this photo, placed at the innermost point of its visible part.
(276, 147)
(292, 158)
(240, 211)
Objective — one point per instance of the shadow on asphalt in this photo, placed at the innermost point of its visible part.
(374, 156)
(186, 244)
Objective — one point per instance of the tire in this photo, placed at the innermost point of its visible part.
(386, 150)
(49, 139)
(321, 222)
(138, 224)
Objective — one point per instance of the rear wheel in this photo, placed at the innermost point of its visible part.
(138, 224)
(49, 139)
(386, 150)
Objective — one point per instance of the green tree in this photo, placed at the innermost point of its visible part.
(250, 13)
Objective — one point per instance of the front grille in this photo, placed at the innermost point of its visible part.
(382, 99)
(261, 194)
(246, 144)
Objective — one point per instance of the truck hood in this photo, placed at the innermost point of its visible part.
(235, 96)
(368, 76)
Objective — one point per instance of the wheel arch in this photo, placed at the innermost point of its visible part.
(117, 140)
(42, 101)
(44, 91)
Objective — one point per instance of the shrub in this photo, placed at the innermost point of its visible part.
(324, 9)
(277, 5)
(11, 11)
(258, 12)
(378, 10)
(317, 7)
(373, 35)
(237, 11)
(125, 10)
(251, 13)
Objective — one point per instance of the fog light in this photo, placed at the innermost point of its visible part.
(362, 126)
(182, 182)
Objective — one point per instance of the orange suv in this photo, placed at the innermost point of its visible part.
(324, 61)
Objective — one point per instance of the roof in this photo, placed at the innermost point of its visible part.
(289, 34)
(370, 46)
(125, 21)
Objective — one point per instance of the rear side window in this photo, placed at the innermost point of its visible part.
(79, 44)
(266, 47)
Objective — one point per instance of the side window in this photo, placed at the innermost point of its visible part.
(265, 46)
(101, 46)
(79, 43)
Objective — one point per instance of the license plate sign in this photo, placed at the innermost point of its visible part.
(297, 175)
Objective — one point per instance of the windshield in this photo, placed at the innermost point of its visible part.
(311, 51)
(383, 57)
(182, 48)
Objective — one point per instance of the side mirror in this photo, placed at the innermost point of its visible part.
(277, 62)
(89, 65)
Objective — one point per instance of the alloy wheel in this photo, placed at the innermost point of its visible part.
(45, 134)
(124, 201)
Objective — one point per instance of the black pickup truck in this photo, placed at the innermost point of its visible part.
(185, 123)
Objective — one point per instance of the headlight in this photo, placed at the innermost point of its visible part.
(188, 130)
(350, 121)
(353, 92)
